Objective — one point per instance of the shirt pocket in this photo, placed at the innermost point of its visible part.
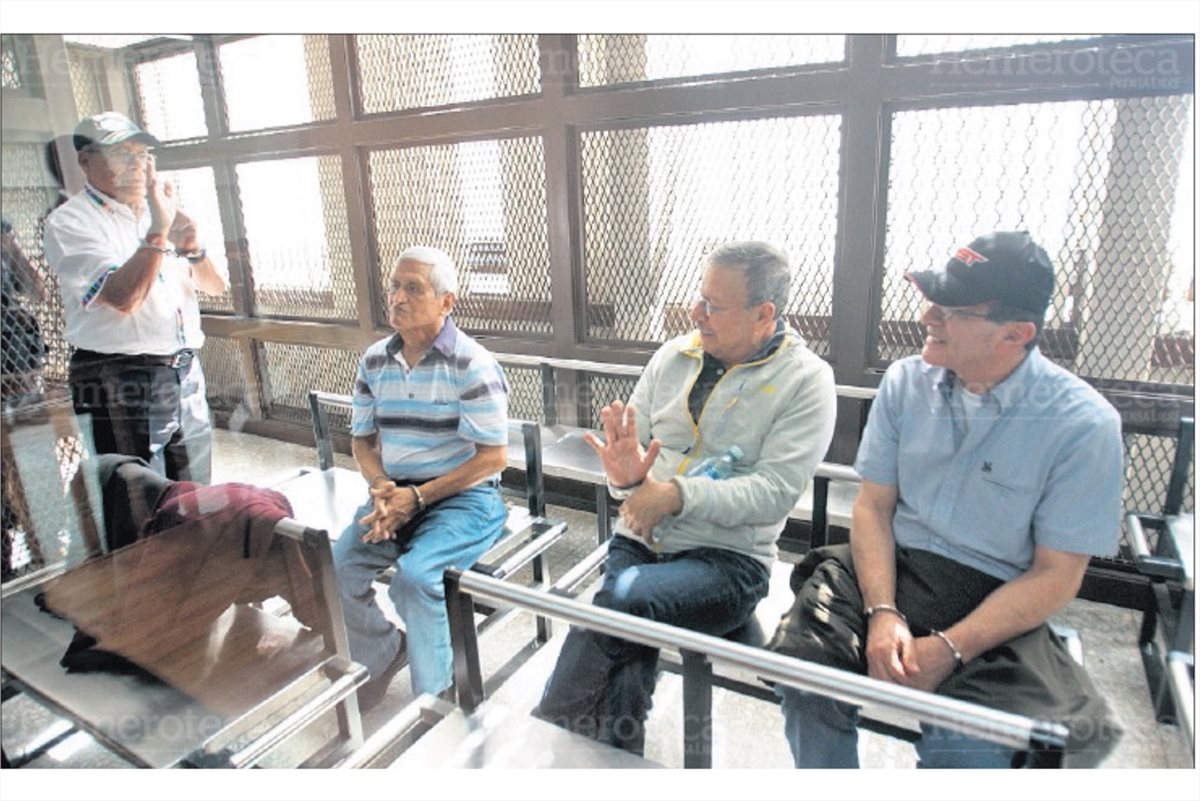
(997, 508)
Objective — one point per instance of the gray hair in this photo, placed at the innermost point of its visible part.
(442, 273)
(764, 268)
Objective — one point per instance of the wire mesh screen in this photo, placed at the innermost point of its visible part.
(611, 59)
(297, 88)
(525, 393)
(196, 192)
(1148, 460)
(85, 83)
(34, 351)
(224, 374)
(656, 200)
(1099, 184)
(602, 390)
(297, 237)
(441, 70)
(484, 203)
(39, 523)
(292, 370)
(920, 45)
(169, 96)
(10, 64)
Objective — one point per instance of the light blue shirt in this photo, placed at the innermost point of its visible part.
(1039, 463)
(431, 416)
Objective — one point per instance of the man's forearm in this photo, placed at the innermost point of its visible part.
(487, 461)
(207, 278)
(1020, 605)
(127, 287)
(873, 549)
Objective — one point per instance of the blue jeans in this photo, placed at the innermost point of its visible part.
(602, 686)
(823, 733)
(454, 532)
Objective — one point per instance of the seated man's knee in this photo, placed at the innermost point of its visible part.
(417, 580)
(620, 593)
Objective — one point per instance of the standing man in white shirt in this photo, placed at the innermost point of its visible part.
(129, 264)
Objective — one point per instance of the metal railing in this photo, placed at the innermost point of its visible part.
(1044, 741)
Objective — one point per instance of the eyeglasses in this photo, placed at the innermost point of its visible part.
(129, 157)
(951, 312)
(710, 309)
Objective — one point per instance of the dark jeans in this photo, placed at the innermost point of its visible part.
(602, 686)
(152, 411)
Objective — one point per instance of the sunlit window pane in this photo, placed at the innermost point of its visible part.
(169, 95)
(608, 59)
(271, 81)
(929, 44)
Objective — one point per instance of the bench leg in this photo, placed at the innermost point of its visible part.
(603, 524)
(697, 710)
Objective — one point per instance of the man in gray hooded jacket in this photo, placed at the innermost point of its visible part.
(695, 551)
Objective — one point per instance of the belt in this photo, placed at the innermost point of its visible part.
(178, 360)
(412, 482)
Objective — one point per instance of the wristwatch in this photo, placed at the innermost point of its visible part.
(193, 256)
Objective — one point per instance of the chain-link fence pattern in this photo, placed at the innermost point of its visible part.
(1094, 182)
(525, 393)
(443, 70)
(1149, 460)
(484, 203)
(39, 522)
(34, 350)
(168, 91)
(601, 390)
(297, 237)
(292, 370)
(630, 58)
(298, 87)
(10, 63)
(224, 374)
(925, 44)
(85, 81)
(657, 200)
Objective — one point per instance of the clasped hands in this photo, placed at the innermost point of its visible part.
(627, 463)
(394, 506)
(895, 655)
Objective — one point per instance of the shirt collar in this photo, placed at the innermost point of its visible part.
(443, 343)
(1008, 392)
(109, 204)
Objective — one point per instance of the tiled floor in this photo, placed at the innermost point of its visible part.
(747, 732)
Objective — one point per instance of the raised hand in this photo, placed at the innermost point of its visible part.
(625, 461)
(160, 196)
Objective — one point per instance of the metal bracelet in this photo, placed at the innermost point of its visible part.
(417, 495)
(148, 245)
(958, 659)
(870, 610)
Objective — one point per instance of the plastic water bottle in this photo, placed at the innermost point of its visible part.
(717, 467)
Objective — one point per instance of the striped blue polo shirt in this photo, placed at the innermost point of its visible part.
(430, 418)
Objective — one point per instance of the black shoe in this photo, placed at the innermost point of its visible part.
(371, 693)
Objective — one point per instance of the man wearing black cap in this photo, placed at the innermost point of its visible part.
(129, 264)
(990, 477)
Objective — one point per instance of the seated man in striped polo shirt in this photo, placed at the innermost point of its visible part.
(430, 430)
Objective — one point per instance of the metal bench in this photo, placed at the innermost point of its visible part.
(328, 497)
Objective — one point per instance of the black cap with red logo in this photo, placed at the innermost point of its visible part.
(1004, 266)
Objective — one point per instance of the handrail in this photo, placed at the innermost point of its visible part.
(971, 719)
(633, 371)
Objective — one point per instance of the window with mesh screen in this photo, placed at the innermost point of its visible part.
(297, 240)
(169, 96)
(293, 370)
(224, 379)
(196, 192)
(612, 59)
(399, 72)
(276, 80)
(1096, 183)
(10, 64)
(34, 351)
(524, 393)
(85, 80)
(658, 199)
(927, 44)
(482, 202)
